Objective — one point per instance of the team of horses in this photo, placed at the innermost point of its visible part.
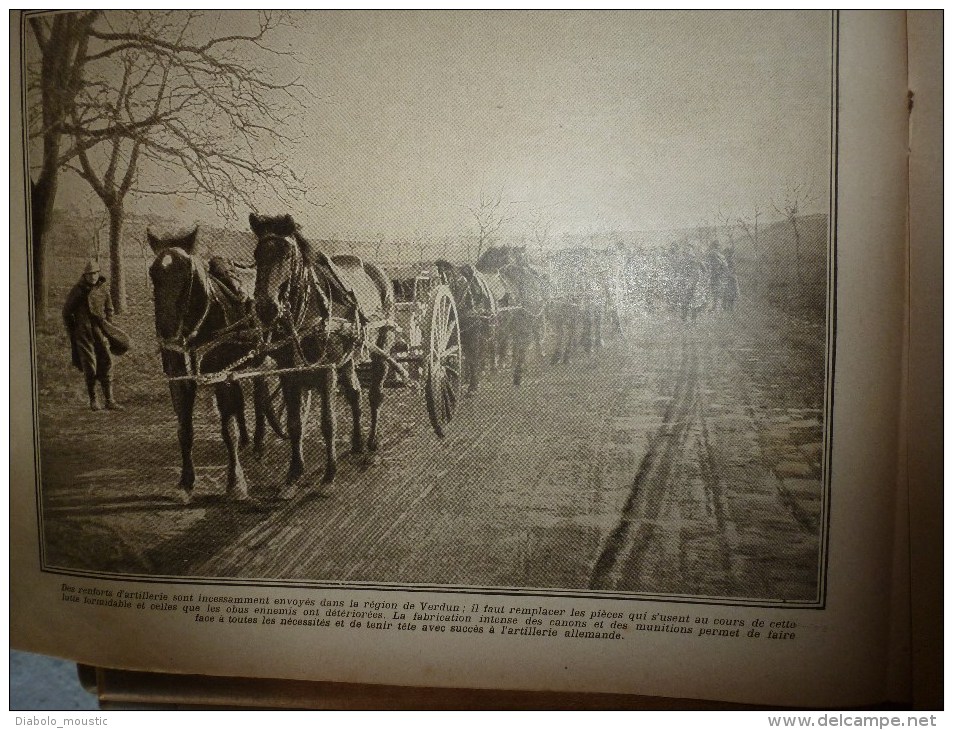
(505, 305)
(688, 281)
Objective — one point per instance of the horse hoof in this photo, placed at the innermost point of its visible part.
(328, 476)
(357, 447)
(287, 492)
(185, 496)
(293, 479)
(372, 445)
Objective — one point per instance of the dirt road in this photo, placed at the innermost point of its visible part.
(684, 460)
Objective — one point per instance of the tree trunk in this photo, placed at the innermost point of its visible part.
(61, 77)
(42, 195)
(117, 276)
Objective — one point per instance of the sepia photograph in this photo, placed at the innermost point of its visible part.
(482, 301)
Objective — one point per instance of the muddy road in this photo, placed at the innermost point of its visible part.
(683, 460)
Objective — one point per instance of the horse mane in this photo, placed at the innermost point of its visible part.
(445, 267)
(285, 226)
(497, 257)
(309, 252)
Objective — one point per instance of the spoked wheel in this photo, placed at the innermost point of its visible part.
(443, 365)
(276, 411)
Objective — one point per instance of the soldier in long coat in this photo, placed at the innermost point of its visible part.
(87, 314)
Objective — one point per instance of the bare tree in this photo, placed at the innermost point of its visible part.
(750, 227)
(53, 83)
(152, 91)
(540, 228)
(790, 206)
(726, 229)
(490, 215)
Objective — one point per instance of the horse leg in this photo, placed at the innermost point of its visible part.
(228, 397)
(352, 391)
(260, 394)
(183, 402)
(328, 425)
(559, 326)
(240, 417)
(291, 390)
(495, 340)
(539, 333)
(587, 330)
(375, 396)
(472, 341)
(572, 321)
(521, 337)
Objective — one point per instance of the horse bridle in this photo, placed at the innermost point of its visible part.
(287, 305)
(296, 313)
(179, 343)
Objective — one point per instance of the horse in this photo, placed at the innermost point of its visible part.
(191, 308)
(580, 296)
(477, 312)
(729, 292)
(724, 282)
(693, 289)
(298, 292)
(520, 292)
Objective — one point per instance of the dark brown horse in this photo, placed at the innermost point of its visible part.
(191, 310)
(476, 309)
(521, 297)
(319, 306)
(580, 294)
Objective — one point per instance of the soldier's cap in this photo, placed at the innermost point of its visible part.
(92, 267)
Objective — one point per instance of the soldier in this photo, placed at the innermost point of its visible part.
(87, 315)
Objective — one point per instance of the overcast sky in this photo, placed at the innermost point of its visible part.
(621, 120)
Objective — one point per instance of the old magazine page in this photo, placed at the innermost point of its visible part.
(527, 350)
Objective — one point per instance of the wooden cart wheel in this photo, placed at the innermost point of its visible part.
(443, 358)
(275, 411)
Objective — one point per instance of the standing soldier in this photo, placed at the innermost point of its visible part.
(87, 315)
